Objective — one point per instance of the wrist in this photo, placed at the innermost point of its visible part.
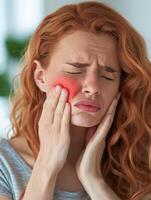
(47, 169)
(92, 182)
(96, 188)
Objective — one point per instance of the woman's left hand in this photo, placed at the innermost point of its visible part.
(88, 164)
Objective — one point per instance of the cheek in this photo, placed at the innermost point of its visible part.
(70, 84)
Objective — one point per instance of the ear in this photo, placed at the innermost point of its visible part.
(39, 76)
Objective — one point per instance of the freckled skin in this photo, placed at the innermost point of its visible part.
(70, 84)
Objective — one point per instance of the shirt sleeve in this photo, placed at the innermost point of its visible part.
(4, 185)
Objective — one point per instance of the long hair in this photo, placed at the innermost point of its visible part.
(126, 164)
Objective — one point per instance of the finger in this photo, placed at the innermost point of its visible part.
(112, 106)
(50, 103)
(65, 123)
(102, 130)
(106, 123)
(60, 109)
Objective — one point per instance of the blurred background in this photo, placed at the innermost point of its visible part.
(19, 19)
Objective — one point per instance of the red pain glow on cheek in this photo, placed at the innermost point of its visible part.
(70, 84)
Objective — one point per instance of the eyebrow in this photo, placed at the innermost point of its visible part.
(82, 65)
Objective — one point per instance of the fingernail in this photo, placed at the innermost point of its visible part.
(58, 89)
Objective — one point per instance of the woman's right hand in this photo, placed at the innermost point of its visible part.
(54, 130)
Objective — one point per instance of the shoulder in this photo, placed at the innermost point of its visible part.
(5, 179)
(7, 155)
(16, 149)
(4, 149)
(13, 153)
(14, 172)
(21, 147)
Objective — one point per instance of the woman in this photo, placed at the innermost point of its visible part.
(81, 114)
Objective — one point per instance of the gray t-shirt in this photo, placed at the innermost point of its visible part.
(15, 174)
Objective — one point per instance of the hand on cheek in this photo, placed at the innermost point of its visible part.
(70, 84)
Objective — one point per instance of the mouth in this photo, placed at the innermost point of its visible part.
(88, 106)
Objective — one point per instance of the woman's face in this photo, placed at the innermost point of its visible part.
(94, 60)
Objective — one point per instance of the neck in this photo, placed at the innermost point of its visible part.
(77, 143)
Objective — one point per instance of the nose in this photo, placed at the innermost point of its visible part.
(91, 84)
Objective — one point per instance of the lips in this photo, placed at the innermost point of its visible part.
(88, 103)
(88, 106)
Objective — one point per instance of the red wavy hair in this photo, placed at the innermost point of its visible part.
(126, 163)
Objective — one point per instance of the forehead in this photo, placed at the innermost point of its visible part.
(86, 47)
(86, 41)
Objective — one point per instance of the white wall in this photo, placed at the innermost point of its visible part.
(2, 34)
(18, 18)
(137, 12)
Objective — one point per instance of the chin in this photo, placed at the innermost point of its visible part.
(79, 120)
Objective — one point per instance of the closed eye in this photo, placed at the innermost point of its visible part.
(81, 72)
(108, 78)
(74, 73)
